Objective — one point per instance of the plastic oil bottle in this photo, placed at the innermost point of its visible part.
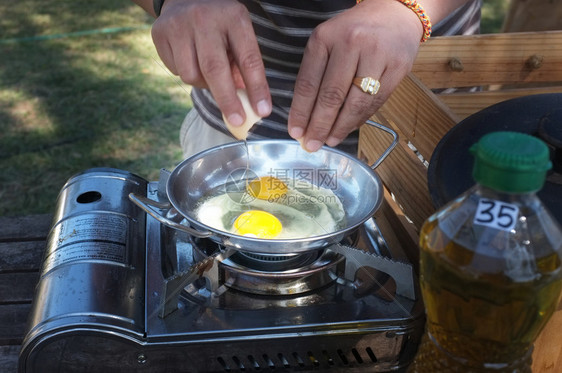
(490, 263)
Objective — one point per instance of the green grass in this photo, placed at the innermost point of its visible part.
(72, 103)
(76, 102)
(493, 14)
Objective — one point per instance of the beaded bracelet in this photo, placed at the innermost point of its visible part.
(422, 15)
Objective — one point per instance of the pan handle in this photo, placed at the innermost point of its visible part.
(390, 147)
(149, 206)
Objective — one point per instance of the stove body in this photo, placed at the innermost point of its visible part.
(107, 275)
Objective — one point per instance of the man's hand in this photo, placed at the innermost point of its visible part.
(377, 39)
(211, 44)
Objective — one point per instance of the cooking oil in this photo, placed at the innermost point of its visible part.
(484, 319)
(490, 265)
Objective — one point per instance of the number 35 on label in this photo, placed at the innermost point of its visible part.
(496, 214)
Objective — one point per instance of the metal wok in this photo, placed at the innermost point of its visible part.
(356, 185)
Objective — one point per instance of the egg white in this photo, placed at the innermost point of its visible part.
(304, 211)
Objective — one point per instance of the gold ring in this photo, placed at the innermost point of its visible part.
(368, 85)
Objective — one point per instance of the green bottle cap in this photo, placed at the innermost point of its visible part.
(510, 162)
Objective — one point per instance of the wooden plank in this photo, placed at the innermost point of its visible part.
(402, 173)
(466, 104)
(22, 242)
(397, 230)
(17, 287)
(21, 256)
(9, 358)
(414, 109)
(13, 322)
(490, 59)
(24, 228)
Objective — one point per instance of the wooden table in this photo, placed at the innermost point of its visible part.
(22, 241)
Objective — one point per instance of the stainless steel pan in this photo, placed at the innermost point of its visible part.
(352, 181)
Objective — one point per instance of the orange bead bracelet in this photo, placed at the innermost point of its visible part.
(422, 15)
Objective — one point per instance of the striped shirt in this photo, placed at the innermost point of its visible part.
(282, 28)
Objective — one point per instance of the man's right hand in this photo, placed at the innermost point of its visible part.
(211, 44)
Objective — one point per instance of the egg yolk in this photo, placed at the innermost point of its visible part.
(257, 223)
(267, 188)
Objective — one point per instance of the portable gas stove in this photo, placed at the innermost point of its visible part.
(120, 292)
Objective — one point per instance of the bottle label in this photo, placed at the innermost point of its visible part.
(496, 214)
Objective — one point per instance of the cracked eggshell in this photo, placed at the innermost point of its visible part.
(241, 132)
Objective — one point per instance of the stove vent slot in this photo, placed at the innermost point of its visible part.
(357, 356)
(298, 359)
(308, 361)
(343, 358)
(223, 364)
(328, 357)
(283, 360)
(253, 362)
(268, 361)
(312, 359)
(371, 355)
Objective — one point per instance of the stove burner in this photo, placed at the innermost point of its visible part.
(313, 271)
(273, 262)
(274, 274)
